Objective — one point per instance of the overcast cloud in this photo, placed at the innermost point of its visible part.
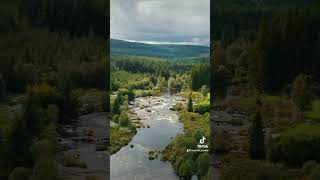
(161, 21)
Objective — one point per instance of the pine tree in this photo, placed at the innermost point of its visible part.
(301, 94)
(256, 137)
(2, 87)
(190, 105)
(117, 104)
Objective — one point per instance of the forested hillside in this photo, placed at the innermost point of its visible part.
(265, 72)
(120, 47)
(52, 53)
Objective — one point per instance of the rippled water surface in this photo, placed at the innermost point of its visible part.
(133, 163)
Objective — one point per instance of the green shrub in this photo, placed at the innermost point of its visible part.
(101, 147)
(190, 105)
(297, 145)
(315, 175)
(241, 168)
(202, 108)
(53, 113)
(256, 148)
(186, 169)
(301, 92)
(2, 88)
(152, 155)
(203, 164)
(19, 173)
(72, 160)
(205, 90)
(42, 95)
(42, 148)
(309, 166)
(124, 119)
(45, 169)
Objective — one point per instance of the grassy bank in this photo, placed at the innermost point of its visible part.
(196, 126)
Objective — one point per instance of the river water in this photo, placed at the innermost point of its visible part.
(132, 163)
(76, 141)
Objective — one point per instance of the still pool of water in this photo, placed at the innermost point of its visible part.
(133, 163)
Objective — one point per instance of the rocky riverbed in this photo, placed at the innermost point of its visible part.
(81, 157)
(160, 126)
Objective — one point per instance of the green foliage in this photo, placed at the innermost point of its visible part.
(301, 92)
(81, 60)
(37, 100)
(296, 145)
(185, 169)
(42, 149)
(315, 173)
(18, 148)
(256, 137)
(203, 164)
(124, 119)
(200, 75)
(42, 95)
(124, 79)
(19, 173)
(183, 161)
(276, 40)
(71, 159)
(130, 94)
(314, 112)
(152, 155)
(101, 147)
(117, 103)
(309, 166)
(190, 105)
(119, 137)
(45, 169)
(222, 76)
(115, 118)
(81, 18)
(162, 84)
(197, 135)
(205, 90)
(92, 100)
(242, 168)
(152, 50)
(2, 88)
(222, 142)
(46, 55)
(203, 106)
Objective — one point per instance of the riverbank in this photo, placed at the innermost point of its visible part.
(283, 126)
(187, 163)
(83, 156)
(160, 126)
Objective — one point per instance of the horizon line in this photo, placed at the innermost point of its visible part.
(163, 42)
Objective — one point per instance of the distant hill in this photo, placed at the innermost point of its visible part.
(120, 47)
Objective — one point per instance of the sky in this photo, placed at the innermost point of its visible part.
(161, 21)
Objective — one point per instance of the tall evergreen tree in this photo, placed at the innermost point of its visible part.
(190, 104)
(256, 137)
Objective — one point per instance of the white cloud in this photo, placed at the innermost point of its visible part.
(171, 21)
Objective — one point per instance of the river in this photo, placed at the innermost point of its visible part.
(222, 119)
(76, 141)
(161, 126)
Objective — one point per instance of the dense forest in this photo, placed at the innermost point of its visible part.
(172, 51)
(266, 56)
(53, 55)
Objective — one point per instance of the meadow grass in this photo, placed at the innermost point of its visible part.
(314, 112)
